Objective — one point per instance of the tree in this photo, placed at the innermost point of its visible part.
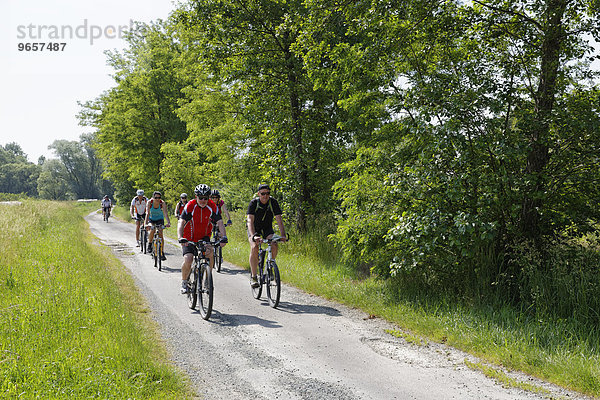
(482, 118)
(52, 184)
(17, 175)
(135, 118)
(248, 47)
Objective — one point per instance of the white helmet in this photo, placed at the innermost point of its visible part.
(202, 190)
(140, 192)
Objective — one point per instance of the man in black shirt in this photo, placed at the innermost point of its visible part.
(261, 211)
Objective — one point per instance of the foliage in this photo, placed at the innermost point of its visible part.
(17, 175)
(79, 170)
(291, 137)
(53, 183)
(136, 117)
(475, 121)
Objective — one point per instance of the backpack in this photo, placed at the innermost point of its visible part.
(265, 214)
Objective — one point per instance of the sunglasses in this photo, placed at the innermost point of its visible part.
(265, 193)
(202, 197)
(157, 197)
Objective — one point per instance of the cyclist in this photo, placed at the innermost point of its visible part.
(106, 206)
(196, 224)
(259, 219)
(138, 212)
(156, 212)
(215, 196)
(179, 207)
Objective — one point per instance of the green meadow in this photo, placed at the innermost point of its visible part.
(72, 324)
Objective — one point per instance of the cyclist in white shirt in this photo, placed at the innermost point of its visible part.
(138, 212)
(106, 206)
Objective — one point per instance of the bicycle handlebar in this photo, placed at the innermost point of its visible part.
(274, 239)
(200, 242)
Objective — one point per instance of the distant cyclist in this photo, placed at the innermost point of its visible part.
(182, 202)
(106, 206)
(215, 196)
(138, 212)
(156, 213)
(259, 219)
(196, 224)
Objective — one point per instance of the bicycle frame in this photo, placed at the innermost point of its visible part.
(157, 246)
(142, 235)
(268, 273)
(201, 285)
(217, 251)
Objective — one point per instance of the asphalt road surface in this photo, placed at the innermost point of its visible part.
(307, 348)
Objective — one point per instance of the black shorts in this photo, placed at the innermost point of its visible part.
(263, 232)
(141, 217)
(106, 209)
(189, 248)
(157, 222)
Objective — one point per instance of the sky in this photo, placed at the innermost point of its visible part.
(39, 90)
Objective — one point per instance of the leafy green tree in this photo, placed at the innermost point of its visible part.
(51, 183)
(248, 46)
(136, 117)
(481, 117)
(17, 175)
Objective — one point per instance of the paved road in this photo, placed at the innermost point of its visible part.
(308, 348)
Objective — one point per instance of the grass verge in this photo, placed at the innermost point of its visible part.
(72, 324)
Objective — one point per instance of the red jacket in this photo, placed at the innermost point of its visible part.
(199, 220)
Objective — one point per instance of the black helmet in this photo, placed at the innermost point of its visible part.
(215, 193)
(202, 190)
(263, 186)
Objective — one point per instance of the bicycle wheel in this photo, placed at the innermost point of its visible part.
(155, 253)
(205, 291)
(273, 283)
(143, 241)
(192, 294)
(159, 254)
(218, 257)
(256, 292)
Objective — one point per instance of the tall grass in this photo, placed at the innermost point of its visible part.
(71, 322)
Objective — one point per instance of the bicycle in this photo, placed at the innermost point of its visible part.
(218, 251)
(200, 281)
(143, 236)
(268, 275)
(106, 214)
(156, 247)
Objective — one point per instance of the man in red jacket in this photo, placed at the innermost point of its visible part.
(195, 224)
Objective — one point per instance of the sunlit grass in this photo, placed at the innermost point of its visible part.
(72, 324)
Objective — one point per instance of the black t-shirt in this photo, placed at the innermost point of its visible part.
(263, 213)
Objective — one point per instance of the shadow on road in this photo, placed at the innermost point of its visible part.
(293, 308)
(169, 269)
(230, 271)
(239, 320)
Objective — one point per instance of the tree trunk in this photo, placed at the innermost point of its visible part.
(538, 156)
(297, 144)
